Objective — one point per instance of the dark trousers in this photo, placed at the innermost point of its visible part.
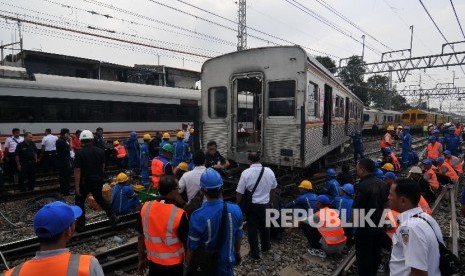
(10, 167)
(28, 171)
(2, 181)
(368, 253)
(49, 160)
(172, 270)
(256, 223)
(358, 152)
(64, 174)
(93, 187)
(312, 234)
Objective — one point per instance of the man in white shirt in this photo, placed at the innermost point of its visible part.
(9, 153)
(190, 181)
(49, 150)
(262, 198)
(415, 247)
(185, 130)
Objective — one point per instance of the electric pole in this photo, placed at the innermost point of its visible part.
(242, 26)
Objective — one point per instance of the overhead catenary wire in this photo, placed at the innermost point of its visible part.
(458, 20)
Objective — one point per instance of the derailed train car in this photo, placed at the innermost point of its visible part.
(299, 111)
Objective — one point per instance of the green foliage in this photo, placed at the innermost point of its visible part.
(352, 77)
(327, 62)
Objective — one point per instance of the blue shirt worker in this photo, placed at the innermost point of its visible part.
(165, 140)
(358, 146)
(133, 151)
(181, 150)
(123, 198)
(216, 225)
(453, 142)
(332, 188)
(306, 200)
(406, 146)
(145, 162)
(54, 225)
(343, 203)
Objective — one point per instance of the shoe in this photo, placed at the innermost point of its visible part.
(317, 252)
(381, 268)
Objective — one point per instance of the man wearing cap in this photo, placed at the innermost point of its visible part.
(406, 146)
(54, 225)
(306, 200)
(416, 175)
(453, 142)
(217, 225)
(161, 165)
(388, 167)
(390, 157)
(434, 149)
(123, 198)
(332, 188)
(262, 198)
(89, 164)
(181, 150)
(444, 169)
(145, 161)
(343, 204)
(387, 138)
(324, 233)
(165, 140)
(121, 156)
(454, 162)
(430, 175)
(163, 228)
(389, 178)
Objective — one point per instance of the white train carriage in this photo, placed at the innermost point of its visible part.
(75, 103)
(382, 118)
(299, 110)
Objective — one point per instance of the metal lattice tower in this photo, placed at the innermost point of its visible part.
(242, 26)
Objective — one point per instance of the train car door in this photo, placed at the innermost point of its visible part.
(346, 121)
(327, 114)
(246, 115)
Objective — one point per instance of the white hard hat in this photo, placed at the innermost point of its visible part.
(86, 135)
(415, 169)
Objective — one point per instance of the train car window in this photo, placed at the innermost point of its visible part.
(366, 117)
(119, 112)
(217, 102)
(91, 112)
(56, 111)
(17, 109)
(244, 115)
(167, 113)
(313, 100)
(406, 116)
(421, 116)
(316, 100)
(281, 98)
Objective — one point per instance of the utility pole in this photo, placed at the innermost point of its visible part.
(411, 40)
(363, 47)
(242, 26)
(389, 91)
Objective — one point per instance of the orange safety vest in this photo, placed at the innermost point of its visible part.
(60, 265)
(450, 171)
(434, 150)
(158, 169)
(385, 144)
(392, 215)
(120, 151)
(455, 163)
(333, 233)
(424, 205)
(395, 161)
(160, 223)
(432, 179)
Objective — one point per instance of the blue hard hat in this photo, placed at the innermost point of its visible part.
(432, 138)
(390, 175)
(440, 160)
(427, 162)
(436, 131)
(447, 152)
(451, 128)
(406, 128)
(379, 173)
(387, 150)
(331, 172)
(348, 188)
(210, 179)
(133, 134)
(322, 199)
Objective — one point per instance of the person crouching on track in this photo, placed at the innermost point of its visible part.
(343, 204)
(323, 230)
(390, 157)
(446, 174)
(332, 188)
(163, 228)
(454, 162)
(434, 148)
(54, 225)
(145, 162)
(89, 178)
(123, 198)
(121, 156)
(427, 195)
(429, 174)
(306, 200)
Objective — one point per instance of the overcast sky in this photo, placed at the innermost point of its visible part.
(149, 22)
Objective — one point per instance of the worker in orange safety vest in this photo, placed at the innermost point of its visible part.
(445, 169)
(161, 165)
(54, 225)
(430, 174)
(434, 148)
(454, 162)
(121, 155)
(387, 138)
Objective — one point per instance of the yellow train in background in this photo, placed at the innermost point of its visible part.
(417, 118)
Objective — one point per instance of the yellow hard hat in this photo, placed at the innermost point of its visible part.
(166, 135)
(390, 128)
(183, 166)
(122, 177)
(388, 167)
(305, 184)
(115, 143)
(147, 136)
(191, 131)
(180, 134)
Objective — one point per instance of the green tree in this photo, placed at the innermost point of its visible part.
(399, 102)
(352, 77)
(378, 94)
(327, 62)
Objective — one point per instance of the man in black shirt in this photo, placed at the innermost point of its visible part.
(345, 176)
(89, 177)
(154, 146)
(64, 161)
(214, 159)
(26, 159)
(371, 195)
